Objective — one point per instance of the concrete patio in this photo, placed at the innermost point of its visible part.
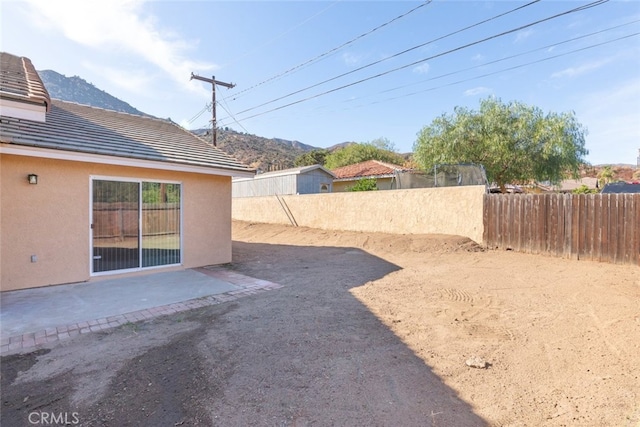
(33, 317)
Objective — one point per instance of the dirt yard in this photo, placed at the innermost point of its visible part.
(369, 329)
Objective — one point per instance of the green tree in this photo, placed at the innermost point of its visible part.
(514, 142)
(380, 149)
(313, 157)
(606, 175)
(584, 189)
(365, 184)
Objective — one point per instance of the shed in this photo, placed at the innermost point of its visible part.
(302, 180)
(88, 192)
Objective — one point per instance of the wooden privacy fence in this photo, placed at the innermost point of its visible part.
(121, 219)
(600, 227)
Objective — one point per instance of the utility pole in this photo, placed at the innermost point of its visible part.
(213, 82)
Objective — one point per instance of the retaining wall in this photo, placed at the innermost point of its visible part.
(446, 210)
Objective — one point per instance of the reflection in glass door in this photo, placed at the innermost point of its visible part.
(160, 224)
(116, 231)
(135, 224)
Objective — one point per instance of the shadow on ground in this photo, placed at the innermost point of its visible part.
(313, 354)
(306, 354)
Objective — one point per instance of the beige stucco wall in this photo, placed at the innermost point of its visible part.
(449, 210)
(51, 219)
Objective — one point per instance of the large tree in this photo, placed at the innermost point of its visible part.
(313, 157)
(379, 149)
(515, 142)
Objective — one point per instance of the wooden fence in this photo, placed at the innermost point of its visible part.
(600, 227)
(121, 219)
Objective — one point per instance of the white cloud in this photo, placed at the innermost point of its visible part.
(135, 81)
(584, 68)
(120, 25)
(523, 35)
(478, 57)
(351, 59)
(477, 91)
(422, 69)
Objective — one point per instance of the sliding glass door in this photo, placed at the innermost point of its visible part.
(160, 224)
(135, 224)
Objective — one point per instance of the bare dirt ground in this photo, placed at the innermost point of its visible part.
(369, 329)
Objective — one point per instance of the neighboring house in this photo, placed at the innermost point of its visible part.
(383, 173)
(569, 185)
(303, 180)
(621, 187)
(86, 192)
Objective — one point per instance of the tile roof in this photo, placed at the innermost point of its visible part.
(368, 169)
(79, 128)
(573, 184)
(82, 129)
(19, 81)
(621, 187)
(295, 171)
(568, 185)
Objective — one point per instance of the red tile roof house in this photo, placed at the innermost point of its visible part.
(383, 173)
(86, 192)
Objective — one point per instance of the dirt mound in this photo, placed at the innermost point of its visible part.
(373, 242)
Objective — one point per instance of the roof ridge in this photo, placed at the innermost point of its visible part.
(389, 165)
(21, 81)
(30, 73)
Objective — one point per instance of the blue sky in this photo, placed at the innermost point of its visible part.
(326, 72)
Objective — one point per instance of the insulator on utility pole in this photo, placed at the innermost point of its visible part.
(213, 82)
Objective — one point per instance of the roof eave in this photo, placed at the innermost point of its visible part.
(23, 150)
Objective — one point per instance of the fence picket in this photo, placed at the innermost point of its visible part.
(602, 227)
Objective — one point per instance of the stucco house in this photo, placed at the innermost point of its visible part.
(301, 180)
(87, 192)
(383, 173)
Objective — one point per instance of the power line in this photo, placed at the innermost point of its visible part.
(515, 67)
(501, 59)
(281, 34)
(199, 113)
(393, 56)
(231, 115)
(335, 49)
(578, 9)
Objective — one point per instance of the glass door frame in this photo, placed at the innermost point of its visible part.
(93, 178)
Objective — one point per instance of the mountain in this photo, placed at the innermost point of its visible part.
(75, 89)
(262, 153)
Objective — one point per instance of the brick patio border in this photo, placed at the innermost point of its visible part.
(248, 286)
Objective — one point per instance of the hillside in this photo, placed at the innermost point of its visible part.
(621, 172)
(256, 151)
(262, 153)
(75, 89)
